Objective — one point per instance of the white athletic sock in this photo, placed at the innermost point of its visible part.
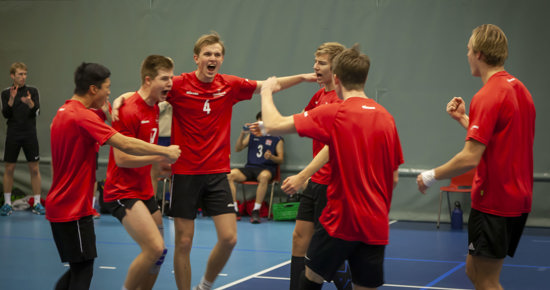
(36, 199)
(236, 206)
(205, 285)
(7, 198)
(257, 206)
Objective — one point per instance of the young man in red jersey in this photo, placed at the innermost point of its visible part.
(365, 154)
(128, 188)
(314, 197)
(202, 103)
(75, 131)
(499, 142)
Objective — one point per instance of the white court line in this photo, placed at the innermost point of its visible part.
(107, 267)
(252, 276)
(258, 275)
(423, 287)
(272, 278)
(393, 222)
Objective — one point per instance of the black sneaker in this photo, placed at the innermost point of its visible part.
(255, 219)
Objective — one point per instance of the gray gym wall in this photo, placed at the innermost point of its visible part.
(417, 48)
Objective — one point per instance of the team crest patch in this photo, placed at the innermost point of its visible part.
(268, 142)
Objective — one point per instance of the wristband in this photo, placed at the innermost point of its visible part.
(428, 177)
(262, 128)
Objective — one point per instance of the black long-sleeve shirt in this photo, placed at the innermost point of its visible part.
(21, 119)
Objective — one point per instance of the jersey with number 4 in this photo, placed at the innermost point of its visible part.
(201, 121)
(139, 120)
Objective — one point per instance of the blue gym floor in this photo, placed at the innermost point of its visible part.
(418, 256)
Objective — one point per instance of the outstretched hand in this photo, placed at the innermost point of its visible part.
(310, 77)
(117, 103)
(255, 129)
(293, 184)
(271, 85)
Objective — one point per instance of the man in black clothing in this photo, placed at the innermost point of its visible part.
(20, 106)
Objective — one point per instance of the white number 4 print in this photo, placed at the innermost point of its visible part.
(206, 107)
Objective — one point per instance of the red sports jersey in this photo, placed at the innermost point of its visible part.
(201, 121)
(364, 151)
(321, 97)
(138, 120)
(502, 116)
(74, 134)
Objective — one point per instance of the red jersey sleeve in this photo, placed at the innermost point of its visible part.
(484, 114)
(316, 123)
(94, 127)
(245, 87)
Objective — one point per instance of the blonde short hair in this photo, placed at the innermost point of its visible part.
(331, 49)
(491, 41)
(17, 65)
(208, 39)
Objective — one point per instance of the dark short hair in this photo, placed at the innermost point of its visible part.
(352, 68)
(89, 74)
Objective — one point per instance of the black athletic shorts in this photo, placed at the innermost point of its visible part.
(252, 173)
(118, 207)
(312, 202)
(494, 236)
(13, 147)
(210, 192)
(326, 254)
(75, 240)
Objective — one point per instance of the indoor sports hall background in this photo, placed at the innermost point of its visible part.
(417, 48)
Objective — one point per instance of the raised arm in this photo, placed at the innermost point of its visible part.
(242, 141)
(456, 108)
(287, 82)
(273, 122)
(295, 183)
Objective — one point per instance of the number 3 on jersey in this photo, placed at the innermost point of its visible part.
(206, 107)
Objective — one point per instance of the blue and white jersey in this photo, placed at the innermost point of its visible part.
(257, 146)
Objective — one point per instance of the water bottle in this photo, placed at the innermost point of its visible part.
(456, 217)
